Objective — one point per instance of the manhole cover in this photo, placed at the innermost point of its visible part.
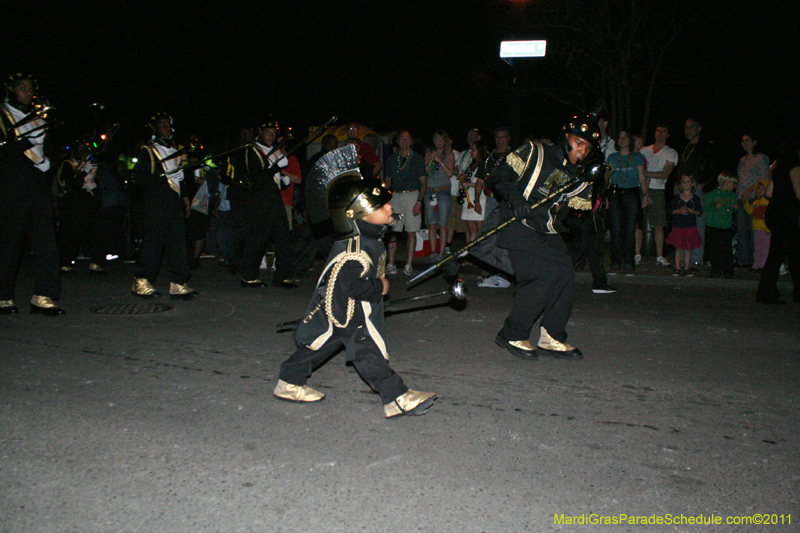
(131, 309)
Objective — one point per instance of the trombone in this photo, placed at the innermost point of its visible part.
(40, 111)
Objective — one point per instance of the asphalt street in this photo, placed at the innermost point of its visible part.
(686, 404)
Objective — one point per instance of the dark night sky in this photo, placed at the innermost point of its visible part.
(418, 65)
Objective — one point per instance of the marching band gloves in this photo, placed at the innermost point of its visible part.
(522, 210)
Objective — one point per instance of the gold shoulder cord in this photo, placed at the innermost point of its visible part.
(351, 303)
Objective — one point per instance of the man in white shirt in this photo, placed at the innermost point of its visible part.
(660, 159)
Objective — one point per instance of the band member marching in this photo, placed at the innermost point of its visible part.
(541, 263)
(265, 214)
(26, 207)
(79, 204)
(347, 306)
(157, 173)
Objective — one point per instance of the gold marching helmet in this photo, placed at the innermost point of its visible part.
(336, 191)
(351, 197)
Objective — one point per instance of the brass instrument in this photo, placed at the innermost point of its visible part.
(245, 182)
(572, 182)
(41, 108)
(92, 154)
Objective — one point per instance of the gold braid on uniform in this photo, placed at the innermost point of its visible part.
(351, 303)
(580, 204)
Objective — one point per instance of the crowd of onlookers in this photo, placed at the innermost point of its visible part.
(714, 214)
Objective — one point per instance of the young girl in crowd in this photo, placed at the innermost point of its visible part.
(473, 215)
(720, 207)
(761, 237)
(685, 237)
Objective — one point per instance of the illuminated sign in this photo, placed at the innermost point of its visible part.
(513, 49)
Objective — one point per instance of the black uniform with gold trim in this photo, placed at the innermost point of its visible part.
(265, 218)
(26, 205)
(347, 306)
(542, 265)
(164, 216)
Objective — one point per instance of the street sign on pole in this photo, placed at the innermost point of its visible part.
(509, 50)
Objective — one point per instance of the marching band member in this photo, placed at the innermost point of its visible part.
(157, 173)
(266, 216)
(79, 205)
(26, 207)
(347, 306)
(542, 266)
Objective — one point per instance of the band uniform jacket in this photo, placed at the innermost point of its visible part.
(354, 266)
(529, 174)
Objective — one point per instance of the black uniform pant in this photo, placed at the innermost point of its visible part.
(164, 237)
(784, 245)
(80, 224)
(111, 224)
(29, 217)
(361, 351)
(307, 247)
(265, 224)
(544, 286)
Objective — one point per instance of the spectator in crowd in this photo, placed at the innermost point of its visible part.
(607, 145)
(720, 208)
(685, 207)
(757, 208)
(405, 175)
(659, 159)
(696, 160)
(440, 164)
(464, 159)
(502, 141)
(473, 209)
(366, 154)
(627, 196)
(753, 166)
(455, 224)
(638, 144)
(295, 175)
(588, 229)
(783, 220)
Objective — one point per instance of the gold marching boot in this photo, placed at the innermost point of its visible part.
(7, 307)
(521, 349)
(42, 305)
(94, 268)
(181, 292)
(296, 393)
(549, 346)
(411, 403)
(252, 283)
(144, 289)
